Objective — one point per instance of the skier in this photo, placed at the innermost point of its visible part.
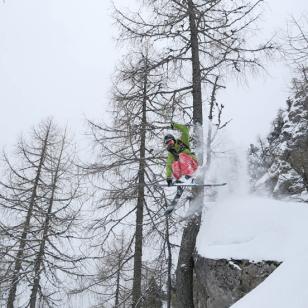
(181, 161)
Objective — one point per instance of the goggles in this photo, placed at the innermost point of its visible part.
(169, 142)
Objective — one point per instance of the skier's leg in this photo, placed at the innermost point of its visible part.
(179, 191)
(176, 169)
(175, 200)
(188, 164)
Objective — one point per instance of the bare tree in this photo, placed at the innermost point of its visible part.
(60, 208)
(114, 276)
(42, 192)
(205, 39)
(21, 195)
(297, 42)
(130, 159)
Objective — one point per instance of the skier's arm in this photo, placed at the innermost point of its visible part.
(169, 161)
(184, 131)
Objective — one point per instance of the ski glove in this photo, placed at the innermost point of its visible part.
(169, 181)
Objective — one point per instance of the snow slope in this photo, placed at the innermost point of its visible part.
(248, 227)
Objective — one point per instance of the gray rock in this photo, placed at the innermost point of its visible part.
(220, 283)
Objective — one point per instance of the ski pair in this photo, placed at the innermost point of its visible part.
(180, 189)
(192, 185)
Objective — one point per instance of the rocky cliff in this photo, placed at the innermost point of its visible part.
(220, 283)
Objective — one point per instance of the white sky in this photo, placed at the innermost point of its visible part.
(57, 57)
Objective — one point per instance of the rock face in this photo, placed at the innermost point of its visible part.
(220, 283)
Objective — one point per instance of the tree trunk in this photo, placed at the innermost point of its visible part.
(117, 292)
(196, 73)
(23, 240)
(136, 301)
(185, 267)
(169, 283)
(40, 255)
(39, 260)
(210, 126)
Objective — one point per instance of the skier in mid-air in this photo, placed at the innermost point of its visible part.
(181, 161)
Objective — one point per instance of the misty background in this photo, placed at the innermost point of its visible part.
(57, 59)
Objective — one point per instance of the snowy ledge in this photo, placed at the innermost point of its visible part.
(257, 229)
(261, 229)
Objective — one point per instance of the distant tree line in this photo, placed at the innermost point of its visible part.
(279, 162)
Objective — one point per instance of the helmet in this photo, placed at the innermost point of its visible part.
(168, 137)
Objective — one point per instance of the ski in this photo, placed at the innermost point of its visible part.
(180, 189)
(192, 185)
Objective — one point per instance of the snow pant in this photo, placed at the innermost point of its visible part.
(185, 165)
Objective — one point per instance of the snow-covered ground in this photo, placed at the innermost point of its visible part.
(256, 228)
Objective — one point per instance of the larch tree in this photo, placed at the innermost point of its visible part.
(40, 202)
(58, 228)
(296, 47)
(20, 194)
(202, 40)
(130, 161)
(114, 272)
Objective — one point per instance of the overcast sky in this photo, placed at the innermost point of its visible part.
(57, 57)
